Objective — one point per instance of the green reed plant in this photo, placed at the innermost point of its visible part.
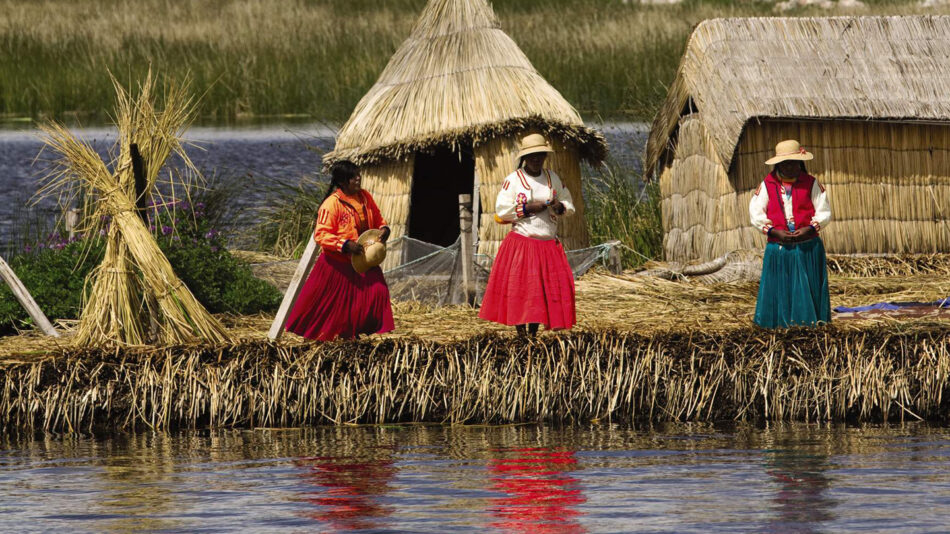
(293, 57)
(619, 206)
(285, 226)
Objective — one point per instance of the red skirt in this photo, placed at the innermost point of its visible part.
(530, 282)
(338, 301)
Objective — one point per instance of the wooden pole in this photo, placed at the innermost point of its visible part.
(476, 212)
(293, 290)
(19, 290)
(138, 173)
(614, 262)
(465, 236)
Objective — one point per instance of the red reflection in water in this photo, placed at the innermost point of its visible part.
(540, 495)
(351, 487)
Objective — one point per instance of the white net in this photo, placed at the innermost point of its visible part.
(433, 275)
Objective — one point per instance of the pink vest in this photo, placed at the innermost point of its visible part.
(802, 208)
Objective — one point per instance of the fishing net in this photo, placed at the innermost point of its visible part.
(433, 275)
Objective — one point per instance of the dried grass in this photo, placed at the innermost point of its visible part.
(744, 374)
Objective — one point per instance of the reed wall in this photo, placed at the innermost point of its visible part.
(567, 164)
(390, 183)
(888, 184)
(494, 160)
(826, 374)
(702, 216)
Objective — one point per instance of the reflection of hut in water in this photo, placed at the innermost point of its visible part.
(866, 95)
(445, 118)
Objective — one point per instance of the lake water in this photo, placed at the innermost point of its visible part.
(415, 478)
(249, 158)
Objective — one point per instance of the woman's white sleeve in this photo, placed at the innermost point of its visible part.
(564, 195)
(506, 208)
(757, 207)
(819, 199)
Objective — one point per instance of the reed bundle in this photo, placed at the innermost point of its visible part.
(744, 374)
(135, 295)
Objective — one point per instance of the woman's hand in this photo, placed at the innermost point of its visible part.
(383, 238)
(535, 206)
(783, 236)
(803, 234)
(558, 207)
(352, 247)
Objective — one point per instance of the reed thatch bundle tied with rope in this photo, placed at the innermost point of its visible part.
(134, 296)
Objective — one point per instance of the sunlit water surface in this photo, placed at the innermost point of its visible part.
(681, 478)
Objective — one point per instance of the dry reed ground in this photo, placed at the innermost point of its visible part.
(626, 303)
(644, 349)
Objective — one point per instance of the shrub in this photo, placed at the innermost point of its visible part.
(55, 271)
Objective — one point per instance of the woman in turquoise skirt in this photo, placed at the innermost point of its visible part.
(791, 208)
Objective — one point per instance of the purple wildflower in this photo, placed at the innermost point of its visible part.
(166, 229)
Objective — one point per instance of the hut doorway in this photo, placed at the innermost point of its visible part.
(438, 179)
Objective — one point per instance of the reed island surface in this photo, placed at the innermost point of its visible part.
(645, 349)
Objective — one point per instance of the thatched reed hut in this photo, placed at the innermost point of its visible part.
(867, 95)
(444, 118)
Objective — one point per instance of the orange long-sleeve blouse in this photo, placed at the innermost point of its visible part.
(343, 218)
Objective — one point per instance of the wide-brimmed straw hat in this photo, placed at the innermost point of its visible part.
(532, 144)
(787, 150)
(374, 251)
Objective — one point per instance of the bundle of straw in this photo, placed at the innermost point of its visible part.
(136, 296)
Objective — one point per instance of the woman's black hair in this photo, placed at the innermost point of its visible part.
(340, 173)
(801, 165)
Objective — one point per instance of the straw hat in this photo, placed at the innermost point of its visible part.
(374, 251)
(531, 144)
(787, 150)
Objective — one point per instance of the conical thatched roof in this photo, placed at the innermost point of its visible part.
(735, 70)
(457, 77)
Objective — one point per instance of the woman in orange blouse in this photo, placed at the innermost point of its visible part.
(337, 301)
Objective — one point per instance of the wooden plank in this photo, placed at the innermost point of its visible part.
(19, 290)
(293, 290)
(465, 236)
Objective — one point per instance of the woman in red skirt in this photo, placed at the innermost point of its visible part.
(337, 301)
(531, 282)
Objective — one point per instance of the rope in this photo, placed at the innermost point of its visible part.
(174, 287)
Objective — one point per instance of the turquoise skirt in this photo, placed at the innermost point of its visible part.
(793, 289)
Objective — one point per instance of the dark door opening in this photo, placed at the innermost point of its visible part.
(437, 181)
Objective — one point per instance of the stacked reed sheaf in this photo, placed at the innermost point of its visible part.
(135, 296)
(747, 374)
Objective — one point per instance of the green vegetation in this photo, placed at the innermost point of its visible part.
(55, 269)
(316, 58)
(617, 208)
(286, 225)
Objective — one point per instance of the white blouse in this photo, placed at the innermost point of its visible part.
(520, 188)
(760, 202)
